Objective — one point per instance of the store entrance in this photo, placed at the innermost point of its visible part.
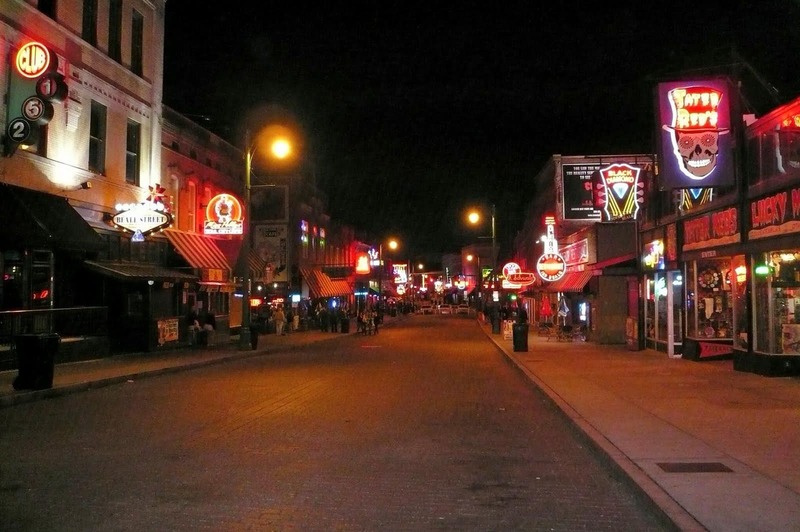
(664, 311)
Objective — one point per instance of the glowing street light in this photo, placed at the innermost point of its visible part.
(281, 148)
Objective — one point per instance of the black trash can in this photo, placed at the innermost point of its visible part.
(36, 354)
(520, 336)
(345, 325)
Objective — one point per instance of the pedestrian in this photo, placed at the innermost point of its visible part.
(280, 321)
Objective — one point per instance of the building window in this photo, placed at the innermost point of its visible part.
(137, 43)
(132, 152)
(48, 7)
(89, 27)
(97, 139)
(115, 30)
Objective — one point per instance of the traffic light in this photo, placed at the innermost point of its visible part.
(34, 86)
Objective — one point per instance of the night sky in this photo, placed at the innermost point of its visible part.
(413, 112)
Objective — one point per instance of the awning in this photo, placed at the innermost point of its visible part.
(36, 219)
(198, 250)
(258, 267)
(571, 282)
(323, 286)
(131, 271)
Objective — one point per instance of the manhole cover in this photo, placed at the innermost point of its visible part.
(694, 467)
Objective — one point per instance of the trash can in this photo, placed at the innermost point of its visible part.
(345, 325)
(520, 332)
(36, 355)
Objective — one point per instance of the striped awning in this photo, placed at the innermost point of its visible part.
(320, 285)
(198, 250)
(258, 267)
(571, 282)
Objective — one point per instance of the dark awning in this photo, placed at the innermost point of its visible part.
(131, 271)
(37, 219)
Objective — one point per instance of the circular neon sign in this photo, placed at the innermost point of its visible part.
(33, 60)
(551, 267)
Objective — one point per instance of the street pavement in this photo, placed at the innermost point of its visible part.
(714, 448)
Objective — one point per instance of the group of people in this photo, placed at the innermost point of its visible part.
(202, 325)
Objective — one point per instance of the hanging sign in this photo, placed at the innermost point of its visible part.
(622, 191)
(514, 275)
(696, 143)
(224, 216)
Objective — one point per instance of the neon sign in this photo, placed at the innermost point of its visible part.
(515, 276)
(622, 191)
(141, 218)
(551, 265)
(33, 60)
(224, 216)
(695, 144)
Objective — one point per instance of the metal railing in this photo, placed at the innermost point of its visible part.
(66, 322)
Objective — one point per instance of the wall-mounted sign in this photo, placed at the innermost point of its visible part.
(621, 191)
(270, 243)
(695, 125)
(400, 273)
(776, 214)
(578, 194)
(362, 263)
(32, 60)
(653, 258)
(141, 218)
(713, 229)
(224, 216)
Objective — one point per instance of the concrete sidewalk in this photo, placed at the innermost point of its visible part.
(716, 449)
(77, 376)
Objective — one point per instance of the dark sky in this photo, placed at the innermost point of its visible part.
(412, 111)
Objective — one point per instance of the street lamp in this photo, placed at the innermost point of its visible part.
(474, 217)
(392, 244)
(280, 148)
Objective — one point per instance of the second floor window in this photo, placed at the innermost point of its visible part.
(132, 152)
(115, 30)
(137, 43)
(89, 27)
(97, 138)
(48, 7)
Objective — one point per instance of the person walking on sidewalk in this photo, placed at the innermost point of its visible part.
(280, 321)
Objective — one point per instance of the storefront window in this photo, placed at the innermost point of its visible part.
(712, 298)
(776, 308)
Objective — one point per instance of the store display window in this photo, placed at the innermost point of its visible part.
(715, 299)
(776, 302)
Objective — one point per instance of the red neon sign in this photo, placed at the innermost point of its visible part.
(33, 60)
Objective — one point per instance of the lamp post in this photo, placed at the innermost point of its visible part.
(392, 243)
(244, 331)
(474, 217)
(280, 148)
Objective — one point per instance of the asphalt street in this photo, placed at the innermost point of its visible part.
(425, 426)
